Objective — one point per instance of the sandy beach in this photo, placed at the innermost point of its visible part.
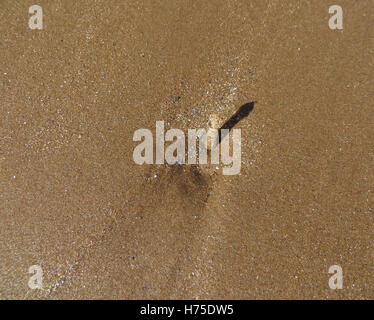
(74, 202)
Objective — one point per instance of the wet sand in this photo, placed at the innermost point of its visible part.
(73, 201)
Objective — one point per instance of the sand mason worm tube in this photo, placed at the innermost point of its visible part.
(214, 124)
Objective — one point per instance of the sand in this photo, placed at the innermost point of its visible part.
(73, 201)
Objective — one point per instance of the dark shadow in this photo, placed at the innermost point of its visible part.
(242, 112)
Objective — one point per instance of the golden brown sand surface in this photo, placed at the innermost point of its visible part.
(73, 201)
